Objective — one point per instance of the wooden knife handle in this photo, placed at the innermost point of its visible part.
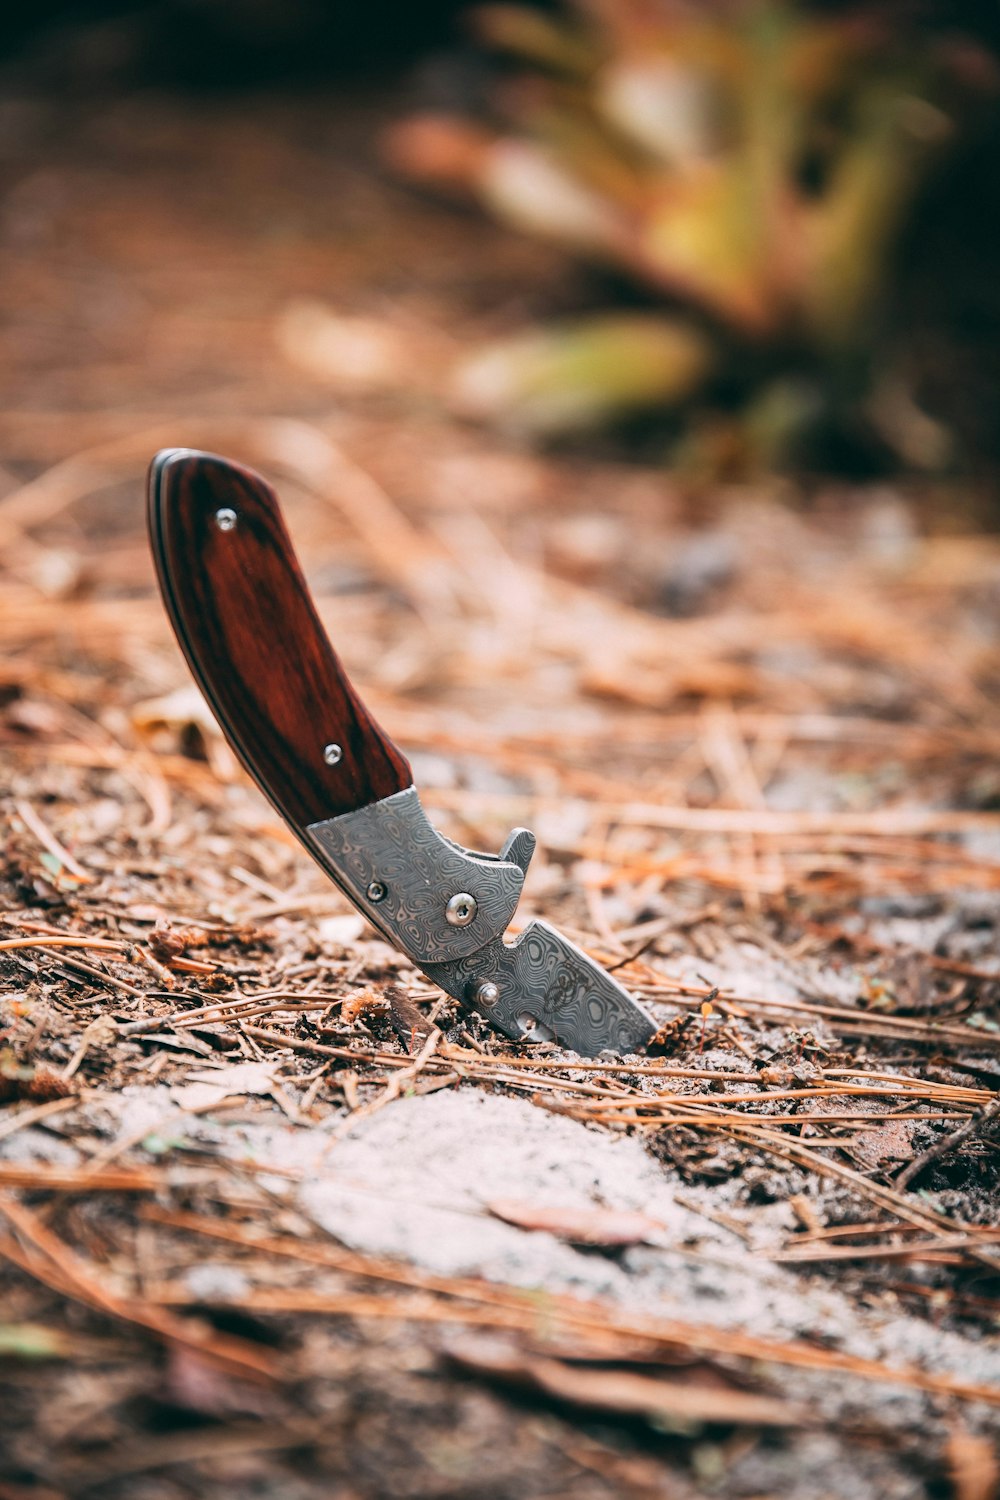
(243, 615)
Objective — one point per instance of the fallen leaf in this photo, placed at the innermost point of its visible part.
(197, 1385)
(892, 1141)
(183, 721)
(35, 1081)
(102, 1031)
(581, 1226)
(212, 1085)
(674, 1405)
(408, 1020)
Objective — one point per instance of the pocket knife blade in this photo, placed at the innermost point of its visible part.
(244, 618)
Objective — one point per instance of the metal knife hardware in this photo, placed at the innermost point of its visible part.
(243, 616)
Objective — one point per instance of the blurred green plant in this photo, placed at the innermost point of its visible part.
(752, 166)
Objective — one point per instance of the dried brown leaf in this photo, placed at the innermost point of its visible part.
(198, 1385)
(660, 1400)
(408, 1020)
(212, 1085)
(581, 1225)
(29, 1081)
(891, 1141)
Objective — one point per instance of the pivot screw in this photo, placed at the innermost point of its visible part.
(485, 993)
(376, 892)
(461, 909)
(225, 519)
(332, 754)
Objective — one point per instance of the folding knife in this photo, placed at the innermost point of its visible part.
(244, 618)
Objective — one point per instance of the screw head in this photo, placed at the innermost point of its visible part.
(461, 909)
(332, 754)
(376, 892)
(226, 519)
(485, 993)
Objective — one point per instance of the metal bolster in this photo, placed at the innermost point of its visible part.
(431, 897)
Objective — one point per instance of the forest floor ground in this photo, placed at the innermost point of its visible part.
(274, 1220)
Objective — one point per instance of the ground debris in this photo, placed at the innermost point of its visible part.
(19, 1080)
(680, 1405)
(249, 1170)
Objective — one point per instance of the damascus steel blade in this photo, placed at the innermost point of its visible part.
(447, 908)
(547, 987)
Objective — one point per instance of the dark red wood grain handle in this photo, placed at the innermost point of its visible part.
(239, 604)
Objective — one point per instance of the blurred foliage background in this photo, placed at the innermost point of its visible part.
(787, 210)
(750, 171)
